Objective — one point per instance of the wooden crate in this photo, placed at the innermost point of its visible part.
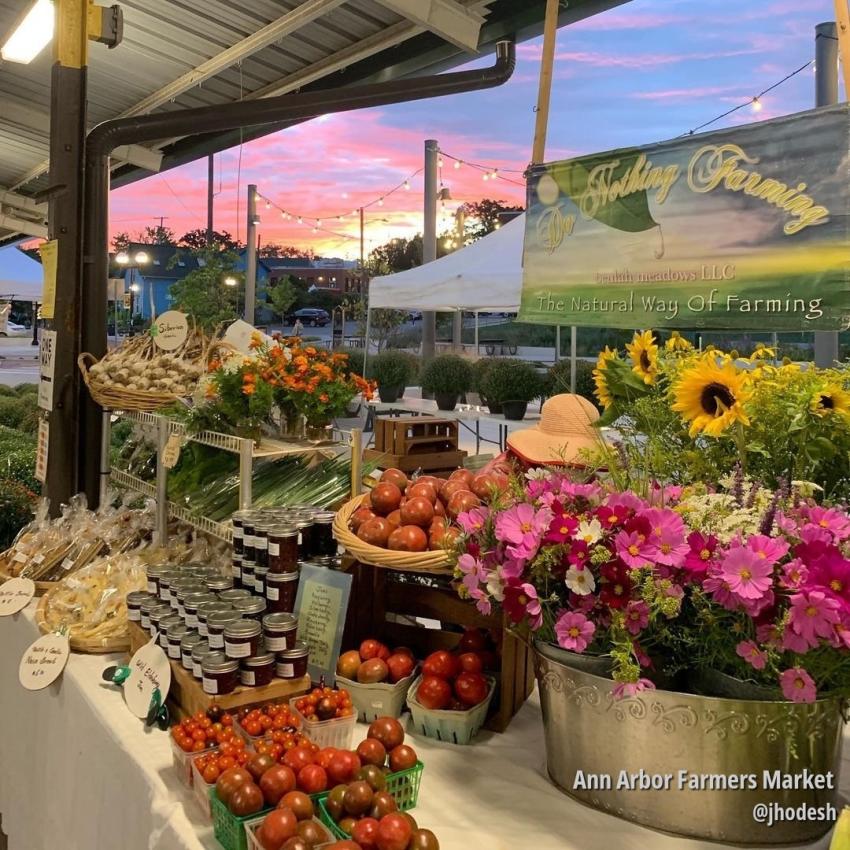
(187, 696)
(381, 597)
(441, 463)
(410, 443)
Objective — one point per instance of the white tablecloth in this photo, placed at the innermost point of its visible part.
(79, 772)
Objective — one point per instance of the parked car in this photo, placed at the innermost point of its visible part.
(310, 317)
(14, 329)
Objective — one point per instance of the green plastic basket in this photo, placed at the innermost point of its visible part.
(403, 785)
(229, 829)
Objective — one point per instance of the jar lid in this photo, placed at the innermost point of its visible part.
(150, 603)
(287, 622)
(218, 662)
(290, 530)
(234, 593)
(176, 631)
(154, 570)
(259, 660)
(300, 649)
(242, 629)
(168, 575)
(222, 618)
(159, 611)
(238, 516)
(182, 591)
(190, 641)
(260, 570)
(197, 598)
(282, 578)
(305, 523)
(205, 609)
(136, 597)
(200, 649)
(325, 517)
(216, 584)
(250, 606)
(166, 622)
(249, 566)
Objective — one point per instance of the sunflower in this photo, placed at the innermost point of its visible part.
(643, 352)
(677, 343)
(830, 399)
(711, 397)
(600, 379)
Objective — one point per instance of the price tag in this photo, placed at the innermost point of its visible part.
(20, 557)
(149, 669)
(42, 450)
(171, 452)
(169, 331)
(44, 661)
(15, 595)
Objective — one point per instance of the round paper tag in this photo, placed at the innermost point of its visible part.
(149, 669)
(15, 595)
(169, 331)
(44, 661)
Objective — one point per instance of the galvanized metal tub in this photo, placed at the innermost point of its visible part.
(595, 743)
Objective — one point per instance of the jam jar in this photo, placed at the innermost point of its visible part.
(166, 579)
(252, 609)
(279, 631)
(247, 577)
(242, 639)
(230, 596)
(261, 542)
(248, 548)
(292, 663)
(306, 535)
(204, 611)
(173, 637)
(323, 537)
(257, 671)
(184, 590)
(216, 583)
(199, 651)
(283, 549)
(216, 624)
(134, 604)
(281, 589)
(260, 574)
(191, 601)
(189, 642)
(220, 674)
(153, 572)
(175, 585)
(238, 531)
(164, 625)
(156, 615)
(236, 570)
(145, 610)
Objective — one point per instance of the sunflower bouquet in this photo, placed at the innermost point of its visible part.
(687, 415)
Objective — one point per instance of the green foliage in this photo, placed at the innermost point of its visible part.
(511, 380)
(447, 374)
(20, 412)
(197, 240)
(481, 217)
(480, 370)
(283, 295)
(7, 391)
(394, 368)
(17, 457)
(354, 364)
(558, 380)
(202, 293)
(26, 389)
(16, 510)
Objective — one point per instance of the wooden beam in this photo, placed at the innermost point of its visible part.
(20, 225)
(544, 93)
(444, 18)
(842, 19)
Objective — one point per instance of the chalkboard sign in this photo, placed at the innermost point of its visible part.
(321, 606)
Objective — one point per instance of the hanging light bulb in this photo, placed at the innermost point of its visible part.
(485, 176)
(407, 185)
(440, 162)
(380, 202)
(757, 105)
(268, 205)
(457, 163)
(300, 220)
(495, 174)
(318, 222)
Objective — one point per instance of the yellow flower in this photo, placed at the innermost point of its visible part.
(711, 396)
(643, 352)
(831, 399)
(762, 352)
(603, 391)
(677, 343)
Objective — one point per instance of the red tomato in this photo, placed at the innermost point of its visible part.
(462, 501)
(324, 756)
(395, 476)
(365, 833)
(210, 773)
(408, 538)
(372, 751)
(441, 663)
(388, 731)
(279, 825)
(400, 665)
(434, 692)
(471, 688)
(385, 497)
(312, 779)
(297, 758)
(246, 800)
(394, 519)
(422, 490)
(370, 648)
(417, 511)
(473, 640)
(470, 662)
(276, 782)
(343, 767)
(360, 517)
(394, 831)
(375, 532)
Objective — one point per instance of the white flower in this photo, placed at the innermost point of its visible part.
(806, 489)
(495, 586)
(590, 532)
(538, 474)
(580, 581)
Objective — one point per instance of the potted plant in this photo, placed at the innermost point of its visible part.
(447, 377)
(393, 371)
(513, 384)
(479, 373)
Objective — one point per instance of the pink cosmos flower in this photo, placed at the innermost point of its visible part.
(591, 492)
(750, 652)
(666, 537)
(482, 602)
(633, 549)
(812, 615)
(473, 521)
(748, 575)
(794, 574)
(520, 602)
(512, 568)
(623, 690)
(642, 658)
(702, 550)
(579, 553)
(628, 500)
(831, 572)
(716, 585)
(786, 524)
(811, 533)
(840, 637)
(797, 685)
(574, 631)
(792, 642)
(521, 527)
(757, 607)
(612, 517)
(473, 571)
(563, 524)
(637, 616)
(771, 549)
(767, 634)
(835, 521)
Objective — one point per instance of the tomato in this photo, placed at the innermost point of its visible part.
(394, 831)
(470, 662)
(461, 502)
(471, 688)
(370, 648)
(365, 833)
(299, 802)
(276, 782)
(402, 757)
(226, 762)
(400, 665)
(297, 758)
(385, 497)
(484, 485)
(434, 692)
(417, 511)
(343, 766)
(252, 727)
(464, 475)
(375, 532)
(394, 519)
(278, 826)
(361, 516)
(395, 476)
(229, 780)
(472, 640)
(452, 486)
(210, 773)
(408, 538)
(259, 764)
(388, 731)
(441, 663)
(312, 779)
(422, 490)
(372, 751)
(324, 756)
(199, 746)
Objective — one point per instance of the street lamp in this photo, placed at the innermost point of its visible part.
(232, 282)
(139, 259)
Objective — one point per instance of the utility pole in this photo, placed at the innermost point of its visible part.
(251, 256)
(457, 318)
(362, 252)
(429, 242)
(210, 196)
(826, 93)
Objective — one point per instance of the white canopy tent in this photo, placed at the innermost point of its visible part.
(21, 277)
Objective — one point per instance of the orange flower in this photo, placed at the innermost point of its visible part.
(248, 389)
(310, 350)
(324, 398)
(256, 340)
(249, 378)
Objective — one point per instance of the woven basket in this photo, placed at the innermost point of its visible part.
(414, 562)
(41, 587)
(112, 398)
(97, 646)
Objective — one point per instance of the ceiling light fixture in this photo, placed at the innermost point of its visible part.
(31, 35)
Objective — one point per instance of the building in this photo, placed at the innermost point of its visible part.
(331, 274)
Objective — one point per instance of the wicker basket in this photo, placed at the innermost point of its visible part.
(41, 587)
(84, 645)
(112, 398)
(415, 562)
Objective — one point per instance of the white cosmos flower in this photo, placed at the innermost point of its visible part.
(538, 474)
(580, 581)
(495, 586)
(590, 532)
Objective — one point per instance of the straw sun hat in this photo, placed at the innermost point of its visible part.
(565, 430)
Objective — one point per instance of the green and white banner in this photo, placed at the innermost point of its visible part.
(742, 228)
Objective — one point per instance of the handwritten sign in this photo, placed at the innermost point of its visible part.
(47, 368)
(49, 263)
(171, 452)
(169, 331)
(15, 595)
(44, 661)
(42, 450)
(149, 669)
(321, 606)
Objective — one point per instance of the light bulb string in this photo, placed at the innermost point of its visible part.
(490, 172)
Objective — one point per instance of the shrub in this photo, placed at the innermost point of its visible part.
(7, 391)
(16, 510)
(558, 380)
(480, 368)
(405, 338)
(26, 389)
(394, 368)
(511, 380)
(447, 374)
(20, 413)
(355, 359)
(17, 458)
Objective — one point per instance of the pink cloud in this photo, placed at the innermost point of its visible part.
(638, 61)
(686, 93)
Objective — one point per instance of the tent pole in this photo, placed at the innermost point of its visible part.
(573, 349)
(366, 339)
(557, 344)
(476, 333)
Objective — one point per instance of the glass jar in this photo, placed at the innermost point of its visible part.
(153, 572)
(238, 531)
(260, 574)
(252, 609)
(216, 624)
(164, 625)
(166, 578)
(323, 536)
(279, 631)
(218, 582)
(204, 611)
(199, 651)
(145, 610)
(230, 596)
(261, 542)
(292, 663)
(174, 586)
(283, 549)
(156, 615)
(257, 671)
(220, 674)
(242, 639)
(306, 538)
(247, 578)
(174, 636)
(281, 589)
(191, 602)
(236, 570)
(134, 604)
(249, 550)
(189, 642)
(184, 590)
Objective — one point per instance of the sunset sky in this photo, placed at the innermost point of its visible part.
(648, 71)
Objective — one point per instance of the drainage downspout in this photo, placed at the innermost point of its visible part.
(104, 138)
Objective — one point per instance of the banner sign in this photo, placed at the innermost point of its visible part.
(741, 228)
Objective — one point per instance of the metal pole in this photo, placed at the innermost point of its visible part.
(34, 323)
(210, 197)
(366, 340)
(105, 446)
(251, 257)
(457, 318)
(842, 16)
(826, 93)
(557, 344)
(476, 333)
(429, 242)
(573, 350)
(246, 472)
(544, 93)
(356, 461)
(162, 433)
(362, 247)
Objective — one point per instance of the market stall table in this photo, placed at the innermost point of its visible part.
(79, 772)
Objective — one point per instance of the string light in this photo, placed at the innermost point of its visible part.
(457, 163)
(488, 172)
(300, 220)
(380, 202)
(268, 205)
(407, 185)
(757, 105)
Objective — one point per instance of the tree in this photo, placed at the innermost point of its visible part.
(397, 255)
(197, 240)
(283, 295)
(121, 241)
(383, 323)
(158, 235)
(203, 293)
(481, 217)
(273, 249)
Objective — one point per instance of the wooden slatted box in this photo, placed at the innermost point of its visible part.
(416, 442)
